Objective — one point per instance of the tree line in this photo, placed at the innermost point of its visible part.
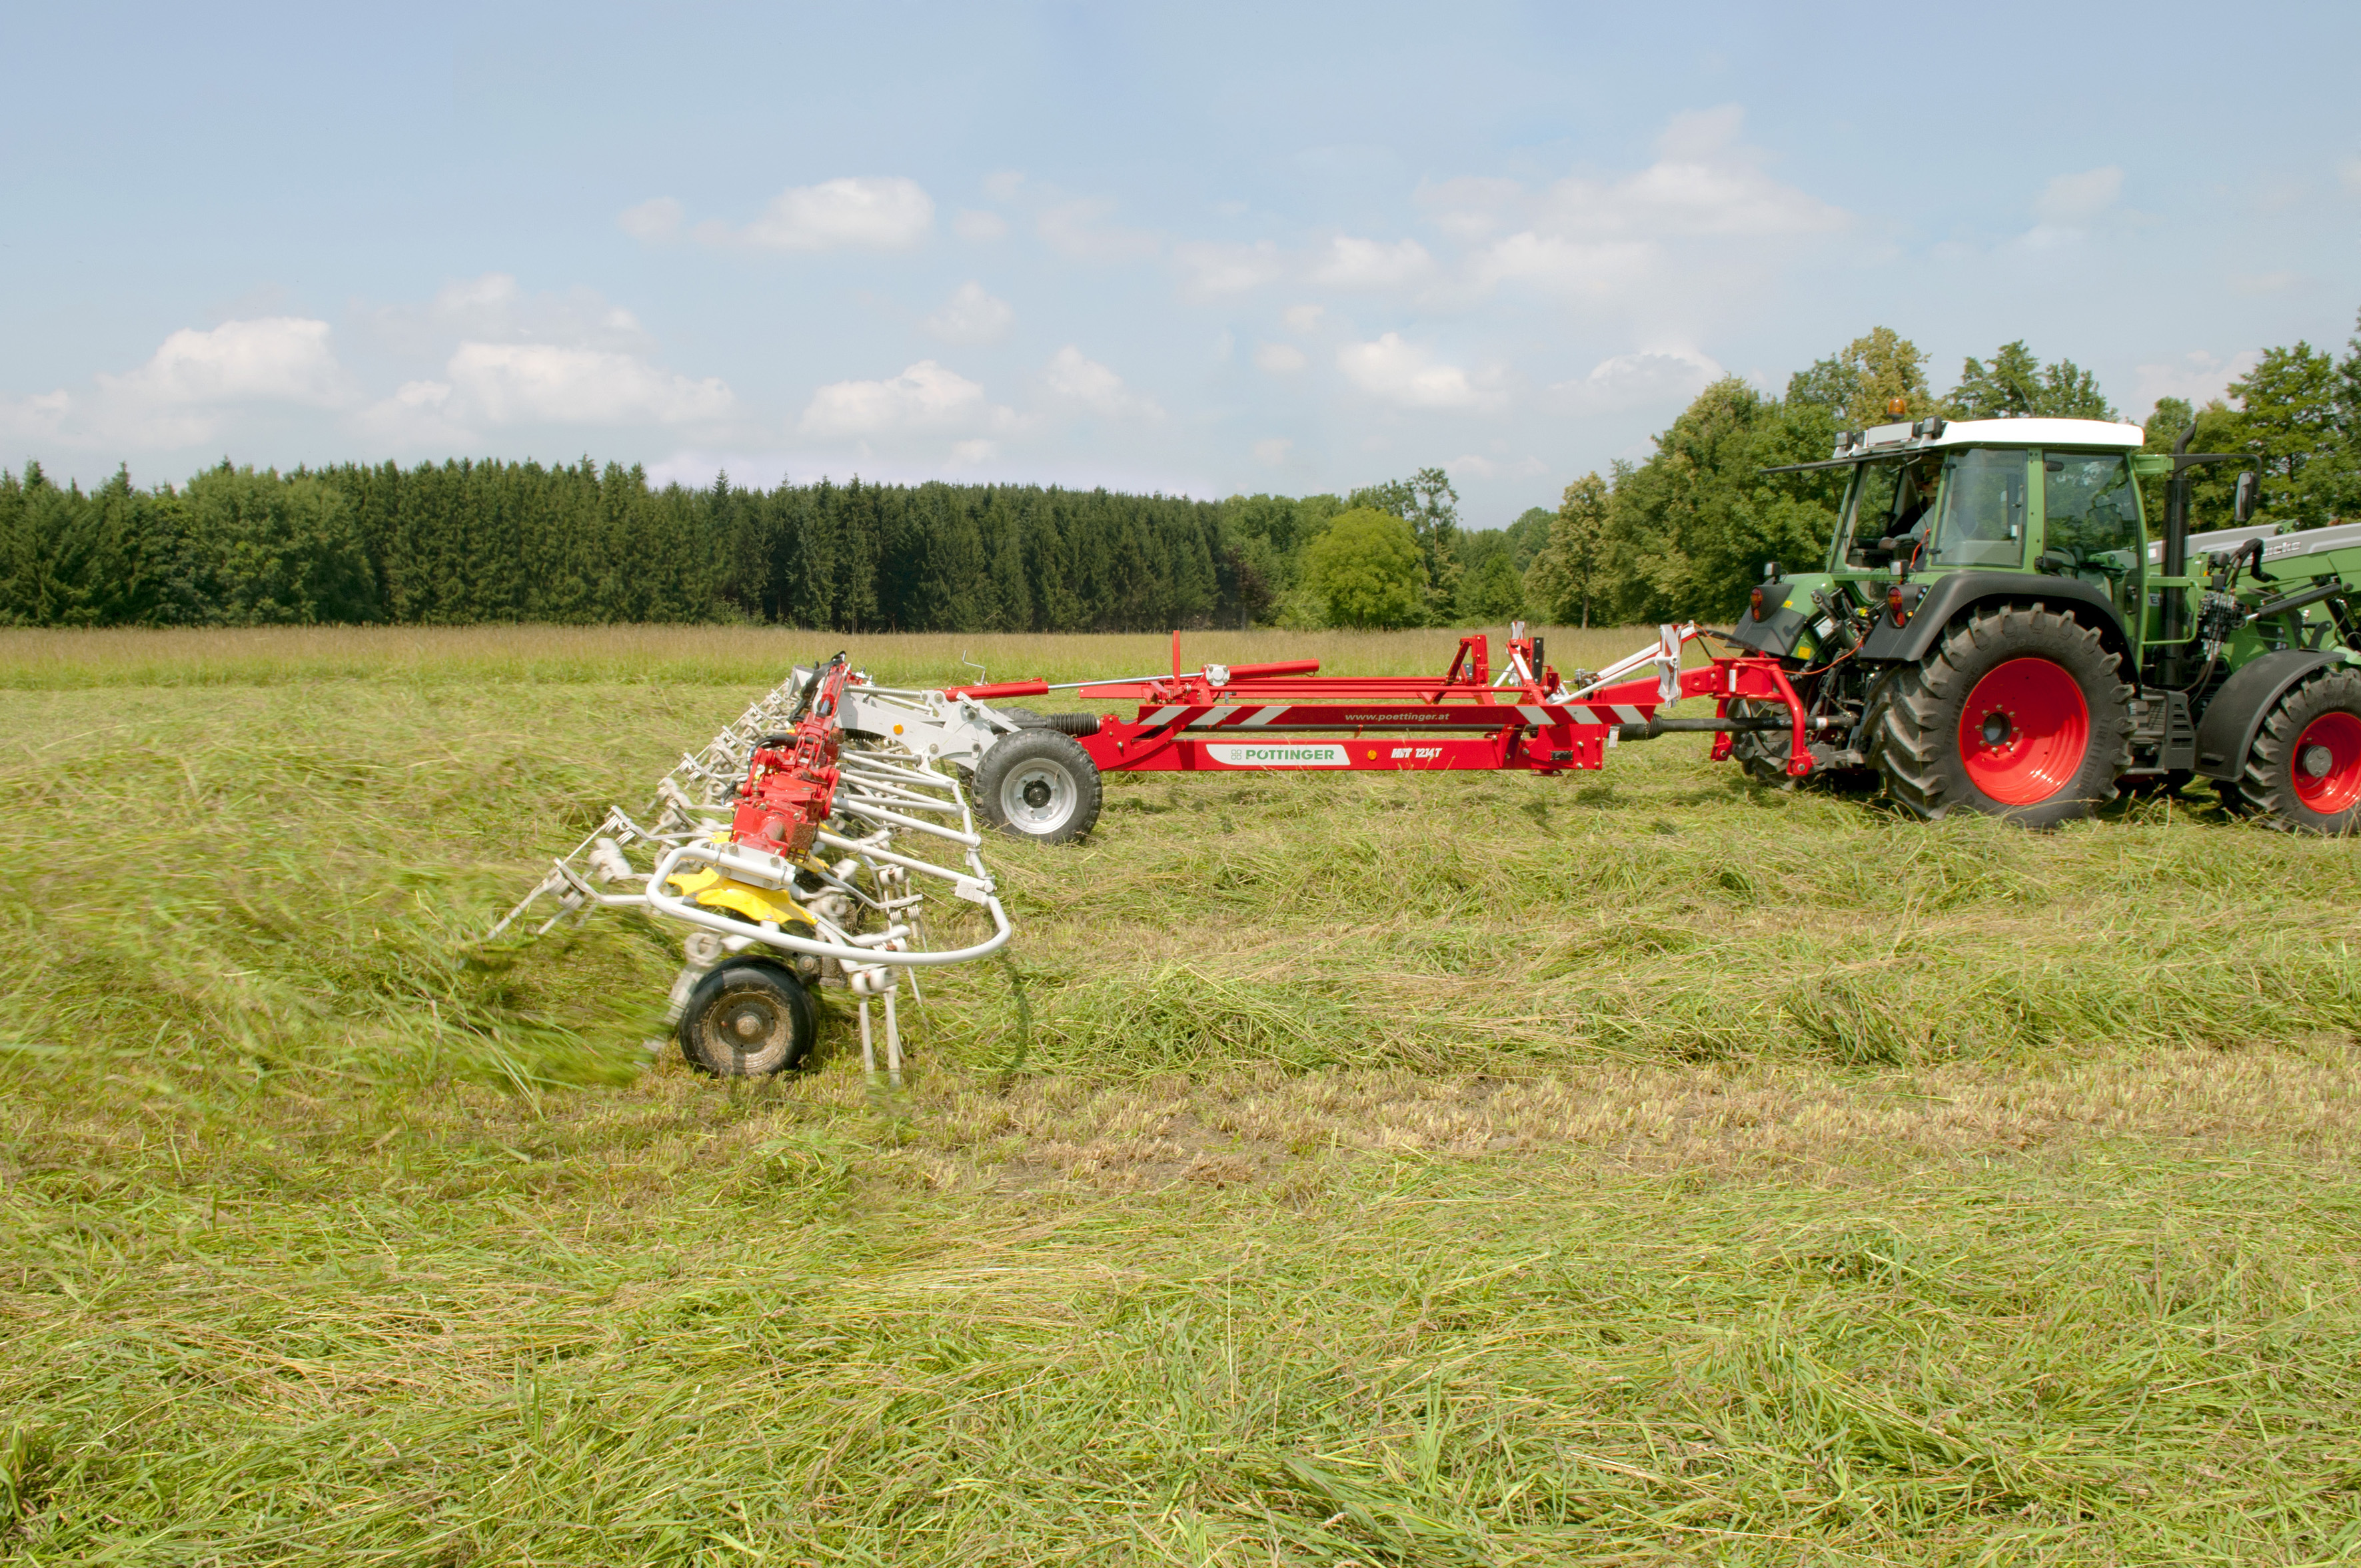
(1683, 534)
(459, 543)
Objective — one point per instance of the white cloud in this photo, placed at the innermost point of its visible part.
(1470, 208)
(1278, 359)
(509, 383)
(2072, 201)
(1002, 185)
(1599, 267)
(1303, 318)
(419, 416)
(2197, 377)
(1351, 263)
(44, 418)
(494, 308)
(1273, 452)
(865, 213)
(967, 454)
(1404, 374)
(1075, 379)
(274, 359)
(653, 220)
(1656, 378)
(1705, 184)
(975, 225)
(1075, 229)
(926, 397)
(971, 316)
(189, 387)
(1216, 269)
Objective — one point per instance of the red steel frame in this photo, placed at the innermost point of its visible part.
(1253, 718)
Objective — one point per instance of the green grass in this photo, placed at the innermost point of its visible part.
(1396, 1169)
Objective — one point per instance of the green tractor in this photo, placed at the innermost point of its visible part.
(2000, 627)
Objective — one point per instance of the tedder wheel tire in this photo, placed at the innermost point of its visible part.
(2303, 772)
(1038, 784)
(2016, 712)
(746, 1020)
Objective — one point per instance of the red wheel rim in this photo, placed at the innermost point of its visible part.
(2326, 763)
(2025, 731)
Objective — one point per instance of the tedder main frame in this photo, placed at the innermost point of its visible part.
(1037, 775)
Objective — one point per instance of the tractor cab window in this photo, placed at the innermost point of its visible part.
(1982, 522)
(1891, 500)
(2090, 517)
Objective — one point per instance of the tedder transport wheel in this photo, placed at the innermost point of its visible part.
(1037, 783)
(2303, 772)
(2017, 713)
(746, 1020)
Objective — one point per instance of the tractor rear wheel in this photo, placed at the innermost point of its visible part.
(2016, 712)
(1038, 784)
(2303, 772)
(748, 1020)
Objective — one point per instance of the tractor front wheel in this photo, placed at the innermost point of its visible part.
(2303, 772)
(2017, 713)
(1039, 784)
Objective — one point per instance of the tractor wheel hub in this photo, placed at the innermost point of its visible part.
(2316, 760)
(2024, 731)
(749, 1024)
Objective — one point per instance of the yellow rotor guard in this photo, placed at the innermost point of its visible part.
(714, 891)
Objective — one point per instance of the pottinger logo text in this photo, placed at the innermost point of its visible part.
(1279, 756)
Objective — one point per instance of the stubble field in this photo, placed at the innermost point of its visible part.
(1635, 1167)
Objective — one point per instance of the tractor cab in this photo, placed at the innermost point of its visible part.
(2055, 498)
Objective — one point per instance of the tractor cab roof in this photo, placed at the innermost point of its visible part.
(1900, 439)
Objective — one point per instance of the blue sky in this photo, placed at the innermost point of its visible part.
(1203, 249)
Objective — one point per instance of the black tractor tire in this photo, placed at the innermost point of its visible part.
(748, 1019)
(2302, 775)
(2016, 712)
(1038, 784)
(1762, 754)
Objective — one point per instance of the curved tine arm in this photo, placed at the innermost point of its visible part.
(910, 824)
(949, 874)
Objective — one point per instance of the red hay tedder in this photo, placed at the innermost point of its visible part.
(1039, 778)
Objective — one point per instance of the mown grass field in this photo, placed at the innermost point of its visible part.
(1632, 1167)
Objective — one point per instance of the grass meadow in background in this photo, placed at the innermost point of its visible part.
(1388, 1169)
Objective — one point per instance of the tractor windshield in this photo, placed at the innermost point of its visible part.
(1983, 509)
(1888, 509)
(2090, 512)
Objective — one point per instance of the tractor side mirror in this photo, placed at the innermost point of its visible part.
(2243, 507)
